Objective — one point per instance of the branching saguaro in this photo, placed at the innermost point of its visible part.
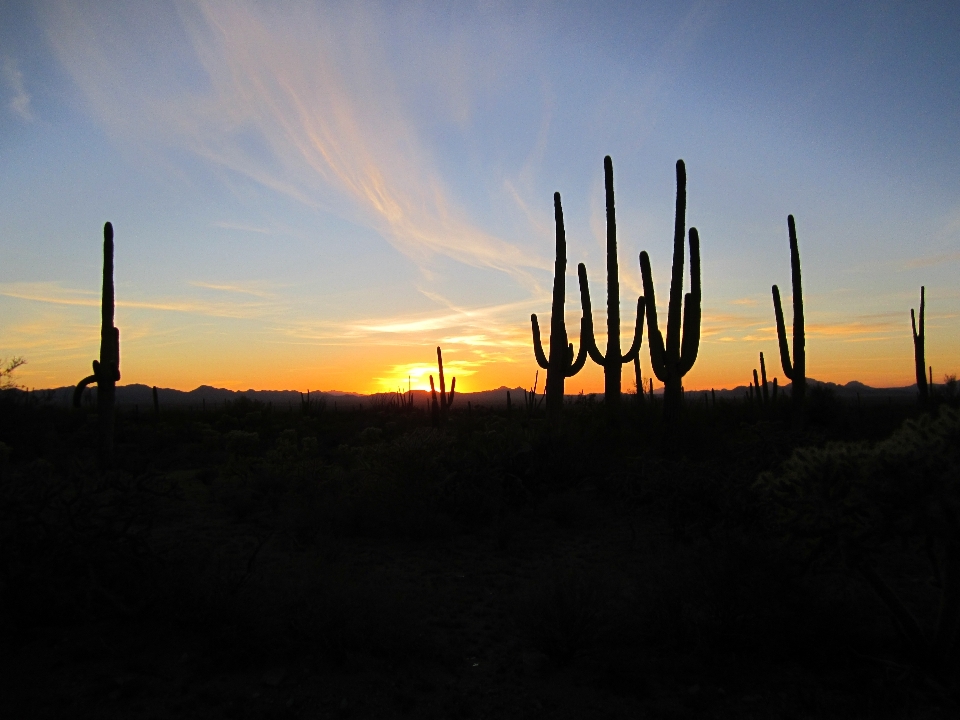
(796, 372)
(612, 362)
(918, 352)
(674, 359)
(440, 409)
(106, 371)
(560, 364)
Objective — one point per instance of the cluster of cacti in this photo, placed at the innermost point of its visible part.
(613, 360)
(405, 399)
(918, 352)
(561, 363)
(795, 371)
(106, 371)
(674, 359)
(759, 388)
(440, 408)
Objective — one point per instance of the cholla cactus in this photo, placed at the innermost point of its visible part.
(106, 372)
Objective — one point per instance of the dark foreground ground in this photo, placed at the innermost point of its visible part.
(247, 563)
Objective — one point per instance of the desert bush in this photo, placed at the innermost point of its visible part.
(861, 504)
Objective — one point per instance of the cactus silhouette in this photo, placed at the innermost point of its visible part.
(796, 371)
(918, 354)
(673, 359)
(441, 408)
(561, 364)
(763, 377)
(106, 371)
(613, 361)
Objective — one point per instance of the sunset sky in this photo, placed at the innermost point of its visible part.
(312, 195)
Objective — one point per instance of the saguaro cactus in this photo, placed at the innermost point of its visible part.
(441, 408)
(918, 353)
(613, 361)
(795, 372)
(106, 372)
(763, 376)
(561, 364)
(673, 359)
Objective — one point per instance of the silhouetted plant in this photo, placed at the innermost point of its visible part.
(673, 360)
(7, 368)
(106, 372)
(440, 409)
(561, 364)
(613, 360)
(920, 362)
(796, 371)
(531, 403)
(763, 377)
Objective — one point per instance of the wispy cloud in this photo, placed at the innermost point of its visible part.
(254, 289)
(12, 77)
(53, 293)
(931, 260)
(306, 103)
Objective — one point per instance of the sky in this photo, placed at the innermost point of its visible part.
(317, 195)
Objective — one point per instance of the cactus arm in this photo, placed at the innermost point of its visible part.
(613, 273)
(586, 331)
(654, 338)
(799, 338)
(782, 335)
(537, 344)
(691, 309)
(676, 279)
(81, 386)
(763, 376)
(691, 333)
(107, 298)
(453, 390)
(918, 347)
(634, 352)
(581, 360)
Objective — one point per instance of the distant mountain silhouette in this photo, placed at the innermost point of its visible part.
(141, 395)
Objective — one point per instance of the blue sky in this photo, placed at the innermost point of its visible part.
(316, 195)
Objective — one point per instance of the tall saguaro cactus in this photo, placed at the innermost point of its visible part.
(673, 359)
(918, 353)
(441, 408)
(106, 372)
(612, 362)
(796, 372)
(561, 364)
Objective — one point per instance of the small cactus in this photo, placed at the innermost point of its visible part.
(796, 371)
(613, 361)
(561, 363)
(674, 359)
(106, 371)
(440, 409)
(918, 352)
